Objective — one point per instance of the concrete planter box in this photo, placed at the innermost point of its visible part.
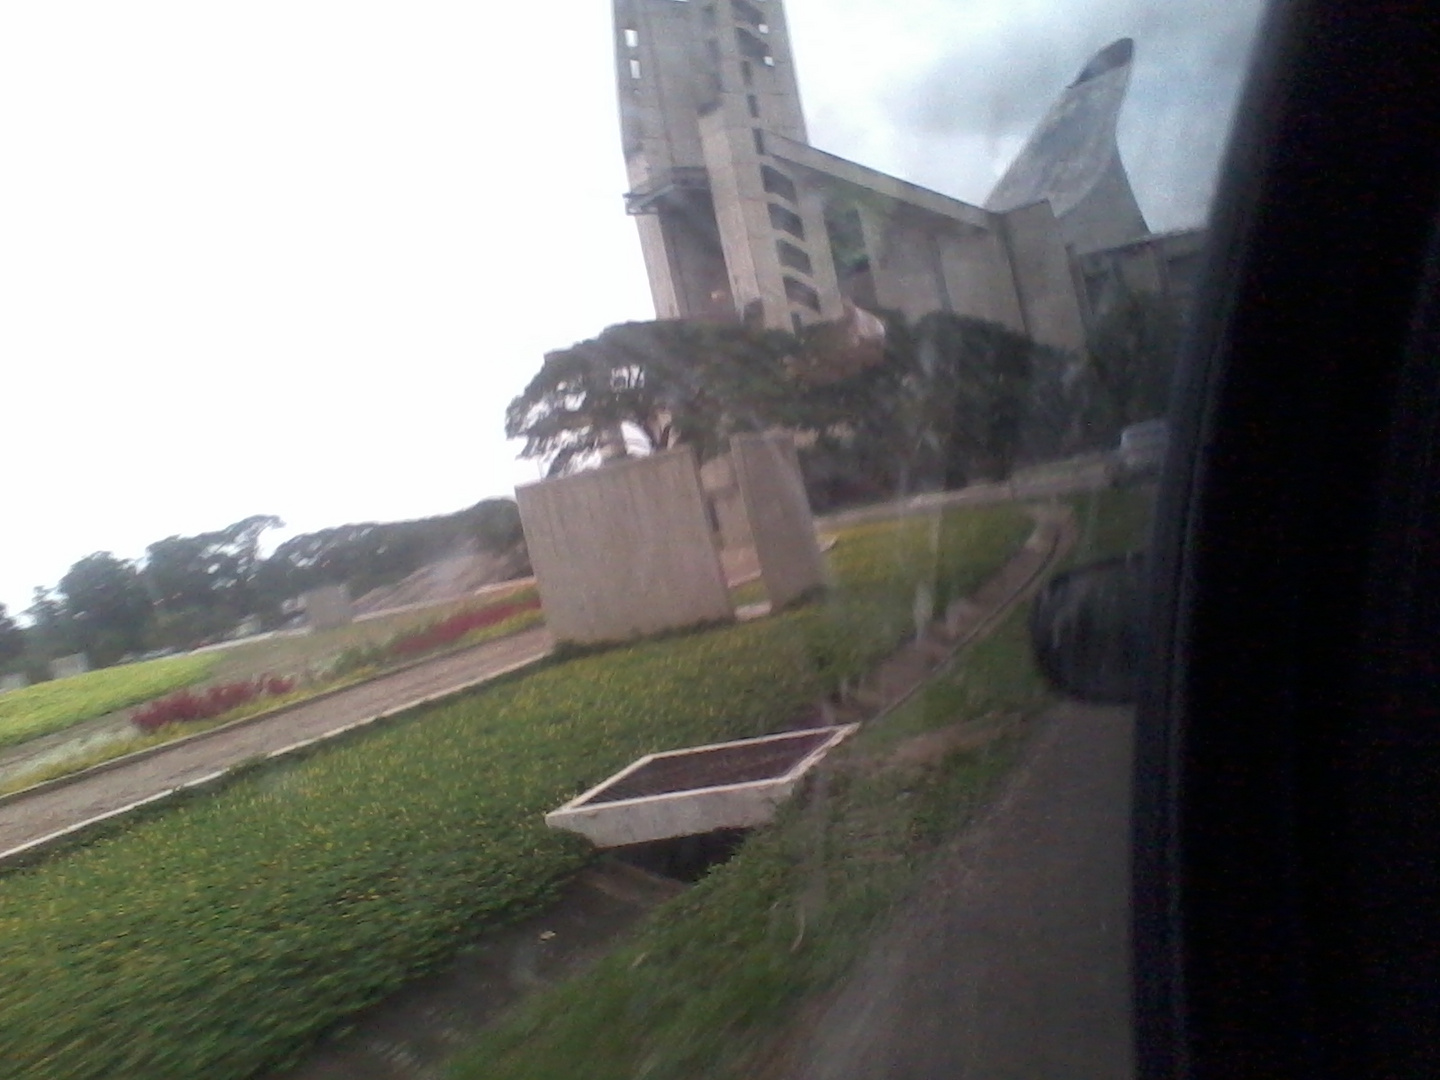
(732, 785)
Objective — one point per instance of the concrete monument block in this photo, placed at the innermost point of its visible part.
(717, 477)
(625, 550)
(63, 667)
(327, 607)
(768, 471)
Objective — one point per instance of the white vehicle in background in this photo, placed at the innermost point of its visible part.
(1142, 450)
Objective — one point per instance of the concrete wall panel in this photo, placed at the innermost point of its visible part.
(66, 667)
(977, 276)
(624, 551)
(768, 470)
(328, 607)
(1043, 277)
(717, 478)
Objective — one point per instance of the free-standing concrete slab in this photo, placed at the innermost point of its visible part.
(730, 785)
(777, 510)
(624, 551)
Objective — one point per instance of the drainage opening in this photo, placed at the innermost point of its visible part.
(683, 858)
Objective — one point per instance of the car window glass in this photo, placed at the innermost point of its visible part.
(499, 587)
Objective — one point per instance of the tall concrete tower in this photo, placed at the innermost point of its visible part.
(725, 230)
(741, 218)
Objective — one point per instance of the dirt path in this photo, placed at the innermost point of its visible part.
(32, 817)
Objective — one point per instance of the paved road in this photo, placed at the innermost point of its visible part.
(1013, 961)
(31, 817)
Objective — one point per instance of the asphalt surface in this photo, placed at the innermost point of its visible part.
(1013, 960)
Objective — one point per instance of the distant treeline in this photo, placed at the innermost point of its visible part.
(189, 590)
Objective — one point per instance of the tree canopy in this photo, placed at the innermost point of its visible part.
(203, 584)
(108, 605)
(1132, 352)
(666, 383)
(12, 638)
(888, 405)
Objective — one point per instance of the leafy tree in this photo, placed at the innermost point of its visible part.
(668, 382)
(1056, 421)
(204, 584)
(866, 427)
(367, 555)
(12, 638)
(1132, 350)
(975, 379)
(109, 605)
(52, 631)
(496, 525)
(209, 576)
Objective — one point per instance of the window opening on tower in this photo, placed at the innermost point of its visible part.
(800, 293)
(777, 183)
(747, 12)
(751, 46)
(793, 257)
(787, 221)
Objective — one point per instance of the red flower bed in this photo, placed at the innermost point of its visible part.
(188, 705)
(448, 631)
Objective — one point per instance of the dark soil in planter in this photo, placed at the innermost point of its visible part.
(713, 768)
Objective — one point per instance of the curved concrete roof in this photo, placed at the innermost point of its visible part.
(1074, 147)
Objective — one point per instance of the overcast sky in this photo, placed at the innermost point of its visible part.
(295, 256)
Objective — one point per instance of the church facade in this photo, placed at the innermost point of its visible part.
(740, 217)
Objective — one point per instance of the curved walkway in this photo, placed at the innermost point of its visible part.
(34, 818)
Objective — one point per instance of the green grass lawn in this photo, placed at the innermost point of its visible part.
(712, 978)
(219, 936)
(1112, 522)
(367, 665)
(709, 984)
(51, 706)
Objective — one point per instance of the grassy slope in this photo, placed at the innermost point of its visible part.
(46, 707)
(109, 751)
(213, 939)
(707, 984)
(1112, 522)
(714, 976)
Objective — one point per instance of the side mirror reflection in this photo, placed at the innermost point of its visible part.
(1087, 630)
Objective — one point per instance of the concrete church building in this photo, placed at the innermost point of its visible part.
(740, 217)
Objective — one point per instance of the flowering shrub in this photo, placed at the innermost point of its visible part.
(447, 631)
(51, 706)
(408, 644)
(187, 706)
